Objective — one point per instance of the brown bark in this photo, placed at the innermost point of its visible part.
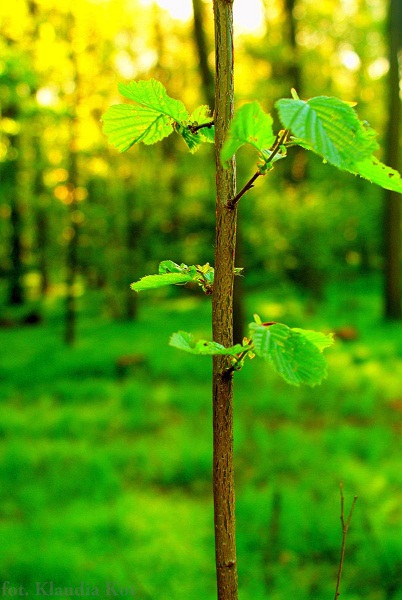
(208, 86)
(222, 313)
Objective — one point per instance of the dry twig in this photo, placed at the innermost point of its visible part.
(345, 529)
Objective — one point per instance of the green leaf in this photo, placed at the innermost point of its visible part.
(186, 341)
(376, 172)
(150, 282)
(320, 340)
(206, 134)
(331, 127)
(168, 266)
(193, 140)
(149, 120)
(292, 353)
(200, 115)
(250, 125)
(151, 94)
(126, 125)
(172, 273)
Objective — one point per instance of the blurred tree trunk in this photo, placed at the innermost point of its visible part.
(201, 43)
(133, 235)
(392, 200)
(72, 249)
(208, 85)
(42, 228)
(294, 69)
(39, 191)
(10, 180)
(41, 218)
(72, 246)
(295, 167)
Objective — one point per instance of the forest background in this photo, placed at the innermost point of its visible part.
(105, 442)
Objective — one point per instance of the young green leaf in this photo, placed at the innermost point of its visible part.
(149, 120)
(202, 115)
(126, 125)
(151, 94)
(292, 353)
(320, 340)
(150, 282)
(193, 140)
(168, 266)
(186, 341)
(170, 273)
(250, 125)
(376, 172)
(331, 127)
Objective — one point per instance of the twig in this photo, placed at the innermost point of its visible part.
(232, 203)
(280, 140)
(195, 128)
(239, 357)
(345, 528)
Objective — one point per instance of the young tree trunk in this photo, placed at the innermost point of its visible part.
(208, 86)
(392, 200)
(222, 313)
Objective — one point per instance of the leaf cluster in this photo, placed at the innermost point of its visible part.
(324, 125)
(154, 116)
(294, 353)
(172, 273)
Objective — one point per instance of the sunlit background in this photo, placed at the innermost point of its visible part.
(105, 434)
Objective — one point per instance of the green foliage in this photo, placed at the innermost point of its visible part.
(153, 117)
(250, 125)
(376, 172)
(202, 115)
(295, 354)
(172, 273)
(331, 128)
(152, 94)
(150, 282)
(182, 340)
(97, 463)
(325, 125)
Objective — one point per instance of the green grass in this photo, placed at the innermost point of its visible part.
(108, 479)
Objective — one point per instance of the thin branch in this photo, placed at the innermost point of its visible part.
(195, 128)
(345, 529)
(227, 372)
(232, 203)
(277, 145)
(280, 140)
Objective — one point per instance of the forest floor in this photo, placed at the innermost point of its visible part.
(105, 476)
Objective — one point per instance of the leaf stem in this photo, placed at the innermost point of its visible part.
(345, 529)
(195, 128)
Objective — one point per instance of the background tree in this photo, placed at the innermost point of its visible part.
(392, 201)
